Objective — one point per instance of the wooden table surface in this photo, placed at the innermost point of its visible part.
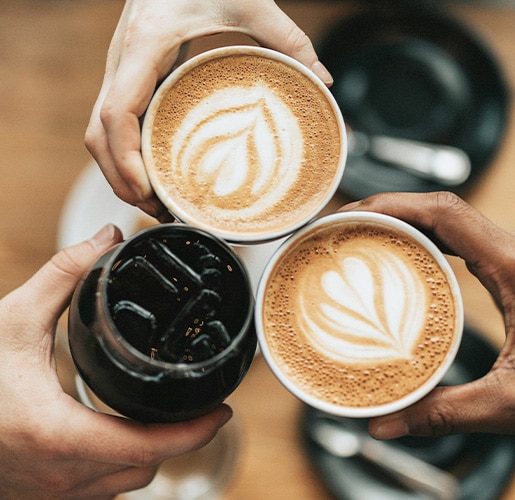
(51, 65)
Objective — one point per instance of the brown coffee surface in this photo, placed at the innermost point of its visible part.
(245, 143)
(358, 316)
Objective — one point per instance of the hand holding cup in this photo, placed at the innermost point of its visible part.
(485, 405)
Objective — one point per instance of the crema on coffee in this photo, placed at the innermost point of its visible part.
(358, 314)
(244, 144)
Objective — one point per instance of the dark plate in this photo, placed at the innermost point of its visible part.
(417, 74)
(483, 463)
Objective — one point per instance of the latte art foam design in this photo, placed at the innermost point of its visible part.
(370, 307)
(357, 314)
(238, 143)
(243, 145)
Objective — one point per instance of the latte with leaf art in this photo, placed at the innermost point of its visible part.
(244, 142)
(358, 313)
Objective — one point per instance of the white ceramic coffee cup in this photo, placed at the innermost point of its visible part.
(284, 366)
(284, 128)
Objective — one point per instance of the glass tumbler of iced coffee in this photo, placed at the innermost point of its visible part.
(161, 327)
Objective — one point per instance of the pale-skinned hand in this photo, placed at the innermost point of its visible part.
(488, 404)
(51, 446)
(145, 46)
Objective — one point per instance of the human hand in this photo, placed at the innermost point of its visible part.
(51, 446)
(487, 404)
(145, 46)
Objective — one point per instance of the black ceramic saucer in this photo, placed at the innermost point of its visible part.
(419, 74)
(482, 463)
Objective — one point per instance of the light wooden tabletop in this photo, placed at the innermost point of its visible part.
(52, 57)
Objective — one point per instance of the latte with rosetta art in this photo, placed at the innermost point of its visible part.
(245, 146)
(358, 315)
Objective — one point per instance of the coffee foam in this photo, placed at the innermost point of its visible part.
(358, 316)
(239, 138)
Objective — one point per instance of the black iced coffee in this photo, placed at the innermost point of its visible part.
(161, 328)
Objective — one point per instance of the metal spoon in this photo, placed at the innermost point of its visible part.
(444, 164)
(410, 471)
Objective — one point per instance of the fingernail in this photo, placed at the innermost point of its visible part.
(105, 236)
(351, 206)
(389, 429)
(321, 71)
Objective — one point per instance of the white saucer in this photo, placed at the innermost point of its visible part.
(90, 205)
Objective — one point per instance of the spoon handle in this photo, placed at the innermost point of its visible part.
(444, 164)
(436, 162)
(411, 471)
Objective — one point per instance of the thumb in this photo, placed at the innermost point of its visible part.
(48, 292)
(472, 407)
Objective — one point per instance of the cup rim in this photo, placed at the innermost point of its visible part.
(236, 237)
(354, 218)
(112, 337)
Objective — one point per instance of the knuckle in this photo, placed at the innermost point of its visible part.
(66, 263)
(438, 423)
(434, 416)
(123, 192)
(448, 207)
(298, 41)
(107, 112)
(90, 139)
(439, 419)
(447, 201)
(145, 458)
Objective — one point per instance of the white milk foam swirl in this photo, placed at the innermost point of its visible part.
(241, 141)
(370, 307)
